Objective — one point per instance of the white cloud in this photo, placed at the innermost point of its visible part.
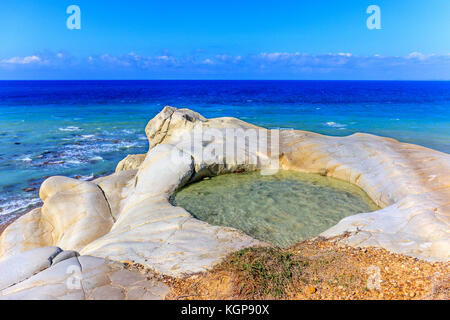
(207, 61)
(225, 58)
(265, 64)
(274, 56)
(22, 60)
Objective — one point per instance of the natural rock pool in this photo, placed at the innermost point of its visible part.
(281, 209)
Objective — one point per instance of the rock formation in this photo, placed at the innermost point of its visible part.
(127, 216)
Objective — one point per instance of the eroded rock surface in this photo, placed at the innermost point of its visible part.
(410, 183)
(130, 162)
(74, 214)
(127, 216)
(50, 273)
(154, 233)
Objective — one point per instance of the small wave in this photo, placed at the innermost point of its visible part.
(70, 128)
(87, 136)
(335, 124)
(86, 178)
(73, 162)
(128, 131)
(117, 146)
(25, 159)
(80, 153)
(128, 145)
(17, 205)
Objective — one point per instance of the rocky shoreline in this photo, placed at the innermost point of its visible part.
(126, 217)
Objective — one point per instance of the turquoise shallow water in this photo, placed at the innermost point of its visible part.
(82, 129)
(281, 209)
(83, 145)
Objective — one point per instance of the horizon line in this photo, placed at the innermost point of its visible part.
(343, 80)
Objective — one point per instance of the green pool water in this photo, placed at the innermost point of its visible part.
(281, 209)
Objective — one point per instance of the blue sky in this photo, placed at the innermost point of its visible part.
(225, 40)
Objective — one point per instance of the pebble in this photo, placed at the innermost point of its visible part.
(312, 289)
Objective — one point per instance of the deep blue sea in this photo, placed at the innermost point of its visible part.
(83, 128)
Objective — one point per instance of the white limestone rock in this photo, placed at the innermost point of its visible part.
(130, 162)
(74, 214)
(85, 278)
(127, 216)
(23, 266)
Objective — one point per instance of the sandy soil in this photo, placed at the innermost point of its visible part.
(331, 271)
